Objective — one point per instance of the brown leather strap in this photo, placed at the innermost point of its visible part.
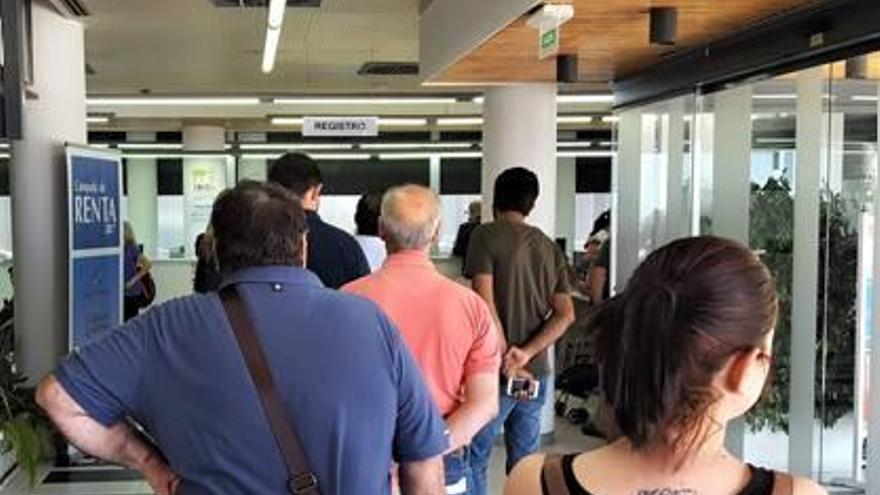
(302, 478)
(553, 476)
(783, 484)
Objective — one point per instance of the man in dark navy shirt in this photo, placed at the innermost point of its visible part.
(350, 388)
(334, 255)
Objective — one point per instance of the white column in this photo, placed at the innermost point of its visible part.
(731, 189)
(519, 130)
(143, 193)
(626, 189)
(203, 178)
(566, 186)
(805, 278)
(732, 164)
(872, 473)
(677, 212)
(39, 195)
(252, 168)
(434, 164)
(834, 174)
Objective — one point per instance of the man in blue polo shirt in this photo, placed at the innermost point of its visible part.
(350, 389)
(334, 255)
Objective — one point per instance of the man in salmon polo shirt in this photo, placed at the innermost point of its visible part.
(447, 327)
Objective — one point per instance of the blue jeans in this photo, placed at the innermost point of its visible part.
(522, 434)
(459, 480)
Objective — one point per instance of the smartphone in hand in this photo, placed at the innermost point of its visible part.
(523, 388)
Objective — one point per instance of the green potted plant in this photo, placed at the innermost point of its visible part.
(772, 233)
(24, 431)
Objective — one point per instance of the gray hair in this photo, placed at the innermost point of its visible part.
(410, 216)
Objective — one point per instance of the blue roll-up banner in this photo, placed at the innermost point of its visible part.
(94, 190)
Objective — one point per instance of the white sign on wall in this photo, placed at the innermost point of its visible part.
(203, 179)
(340, 126)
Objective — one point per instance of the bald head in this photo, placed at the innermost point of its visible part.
(410, 217)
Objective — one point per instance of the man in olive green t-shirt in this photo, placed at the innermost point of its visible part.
(523, 277)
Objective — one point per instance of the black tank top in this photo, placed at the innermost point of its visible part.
(761, 483)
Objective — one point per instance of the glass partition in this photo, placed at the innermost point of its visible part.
(789, 166)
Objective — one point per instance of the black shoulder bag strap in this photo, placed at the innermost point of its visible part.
(302, 478)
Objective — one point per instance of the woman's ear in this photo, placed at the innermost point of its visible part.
(738, 370)
(743, 380)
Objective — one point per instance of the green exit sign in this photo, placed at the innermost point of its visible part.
(549, 39)
(549, 42)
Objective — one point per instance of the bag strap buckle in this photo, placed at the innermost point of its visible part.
(303, 483)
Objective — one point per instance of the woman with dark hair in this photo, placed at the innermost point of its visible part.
(685, 349)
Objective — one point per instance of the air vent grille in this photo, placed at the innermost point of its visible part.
(264, 3)
(389, 69)
(70, 8)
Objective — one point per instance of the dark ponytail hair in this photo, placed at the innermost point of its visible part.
(688, 308)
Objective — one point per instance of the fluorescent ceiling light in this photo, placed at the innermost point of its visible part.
(585, 98)
(414, 146)
(594, 154)
(207, 156)
(783, 96)
(276, 13)
(97, 119)
(287, 121)
(295, 146)
(610, 119)
(427, 156)
(762, 116)
(341, 156)
(352, 100)
(4, 146)
(4, 155)
(574, 119)
(864, 98)
(102, 146)
(573, 144)
(402, 122)
(316, 156)
(171, 101)
(567, 99)
(273, 33)
(460, 121)
(271, 48)
(150, 146)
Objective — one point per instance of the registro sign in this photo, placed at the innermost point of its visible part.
(340, 126)
(94, 184)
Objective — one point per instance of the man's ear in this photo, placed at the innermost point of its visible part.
(382, 230)
(436, 237)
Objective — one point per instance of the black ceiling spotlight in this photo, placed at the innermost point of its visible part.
(664, 25)
(857, 67)
(567, 68)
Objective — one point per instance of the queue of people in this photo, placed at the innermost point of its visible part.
(271, 380)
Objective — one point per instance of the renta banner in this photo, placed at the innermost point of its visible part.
(94, 188)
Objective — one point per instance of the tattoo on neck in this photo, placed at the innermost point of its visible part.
(667, 491)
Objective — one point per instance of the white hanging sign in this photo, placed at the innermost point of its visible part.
(340, 126)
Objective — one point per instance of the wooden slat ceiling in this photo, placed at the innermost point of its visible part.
(610, 38)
